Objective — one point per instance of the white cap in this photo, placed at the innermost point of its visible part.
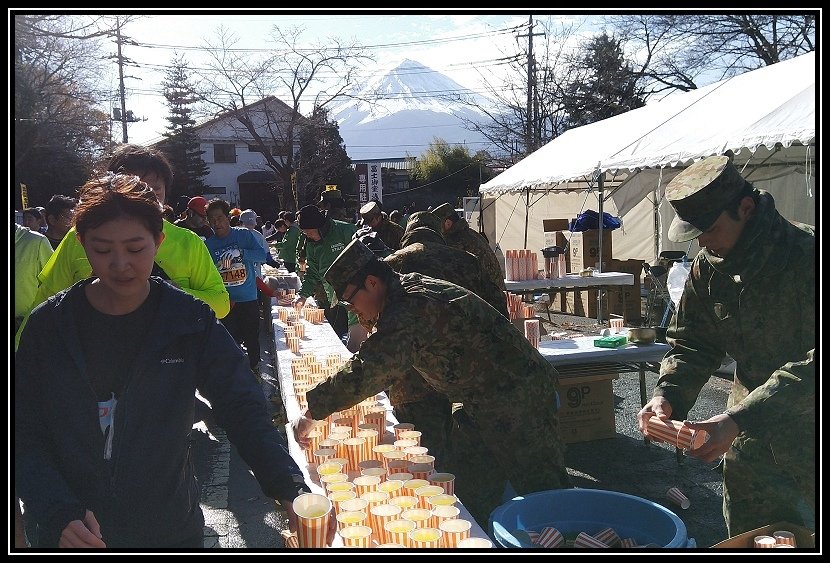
(248, 217)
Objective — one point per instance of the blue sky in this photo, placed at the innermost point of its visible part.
(463, 45)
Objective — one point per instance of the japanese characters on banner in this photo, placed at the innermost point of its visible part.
(369, 182)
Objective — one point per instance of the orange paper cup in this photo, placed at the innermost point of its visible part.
(313, 512)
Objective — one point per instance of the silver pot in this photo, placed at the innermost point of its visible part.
(643, 335)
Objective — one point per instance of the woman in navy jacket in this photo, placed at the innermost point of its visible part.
(105, 381)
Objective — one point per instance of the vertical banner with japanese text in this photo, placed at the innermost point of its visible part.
(375, 182)
(362, 172)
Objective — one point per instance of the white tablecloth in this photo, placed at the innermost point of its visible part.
(571, 281)
(322, 340)
(582, 350)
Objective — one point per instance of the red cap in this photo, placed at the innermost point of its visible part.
(198, 204)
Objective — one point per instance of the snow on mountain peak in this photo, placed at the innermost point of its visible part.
(407, 105)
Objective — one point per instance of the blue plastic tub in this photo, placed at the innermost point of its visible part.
(588, 510)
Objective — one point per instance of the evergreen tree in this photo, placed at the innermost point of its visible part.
(449, 173)
(181, 144)
(323, 159)
(606, 86)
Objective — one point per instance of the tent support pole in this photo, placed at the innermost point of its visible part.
(527, 215)
(599, 246)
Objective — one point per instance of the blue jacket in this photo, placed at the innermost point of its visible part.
(147, 494)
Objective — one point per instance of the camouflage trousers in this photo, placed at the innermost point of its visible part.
(433, 418)
(761, 488)
(483, 462)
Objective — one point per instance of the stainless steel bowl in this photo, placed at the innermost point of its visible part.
(643, 335)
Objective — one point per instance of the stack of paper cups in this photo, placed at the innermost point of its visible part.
(676, 433)
(532, 331)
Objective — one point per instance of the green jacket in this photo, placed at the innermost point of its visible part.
(287, 247)
(182, 255)
(462, 236)
(758, 305)
(320, 255)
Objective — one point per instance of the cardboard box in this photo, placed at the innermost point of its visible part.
(584, 249)
(554, 235)
(586, 409)
(554, 225)
(625, 300)
(804, 538)
(556, 238)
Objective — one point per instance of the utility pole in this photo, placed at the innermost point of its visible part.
(530, 137)
(121, 79)
(122, 115)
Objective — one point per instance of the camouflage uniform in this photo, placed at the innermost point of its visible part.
(426, 252)
(757, 305)
(389, 232)
(473, 355)
(462, 236)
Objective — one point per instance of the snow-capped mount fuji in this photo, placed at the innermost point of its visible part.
(400, 112)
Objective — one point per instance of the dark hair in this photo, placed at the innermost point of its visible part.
(34, 212)
(290, 216)
(169, 213)
(117, 195)
(141, 161)
(280, 223)
(58, 203)
(746, 191)
(218, 203)
(377, 268)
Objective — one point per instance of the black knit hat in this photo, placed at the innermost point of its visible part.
(311, 217)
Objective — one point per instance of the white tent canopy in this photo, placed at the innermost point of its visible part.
(765, 117)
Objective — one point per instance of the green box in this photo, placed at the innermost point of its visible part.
(611, 341)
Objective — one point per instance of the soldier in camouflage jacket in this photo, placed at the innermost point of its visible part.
(425, 251)
(465, 350)
(458, 233)
(388, 231)
(751, 295)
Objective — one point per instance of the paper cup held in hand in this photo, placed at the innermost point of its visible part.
(676, 433)
(676, 496)
(313, 512)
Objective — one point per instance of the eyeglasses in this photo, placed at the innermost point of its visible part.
(347, 301)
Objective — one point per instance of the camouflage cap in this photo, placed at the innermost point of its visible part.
(350, 262)
(444, 211)
(370, 210)
(423, 219)
(699, 194)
